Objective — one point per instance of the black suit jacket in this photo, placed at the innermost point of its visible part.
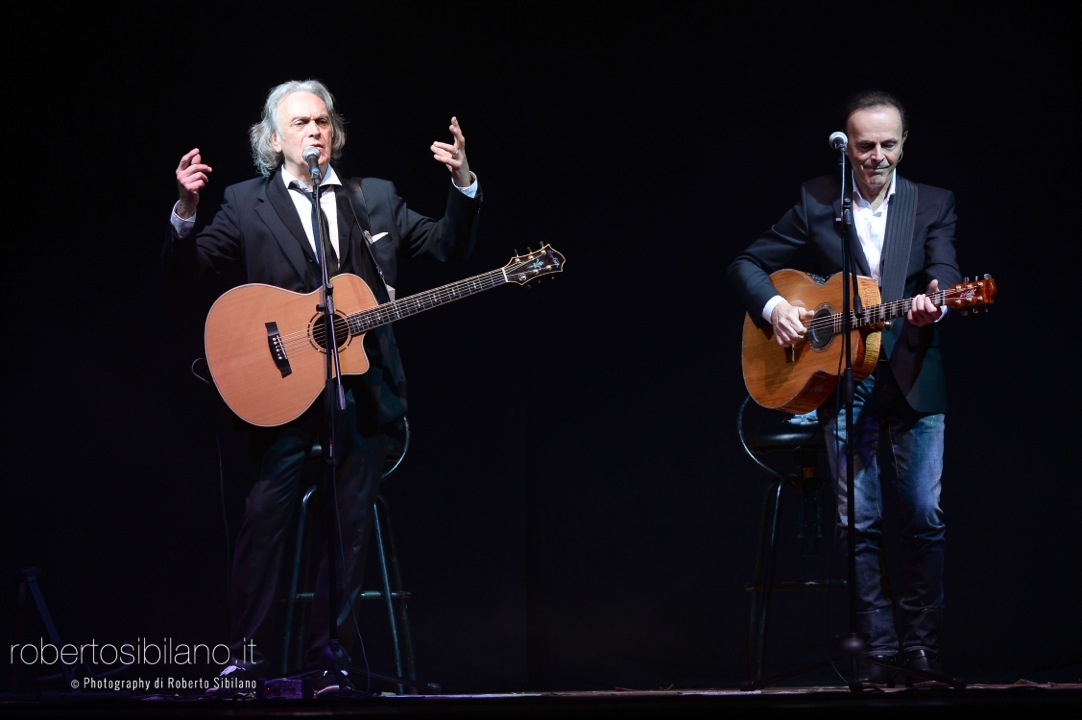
(258, 229)
(918, 246)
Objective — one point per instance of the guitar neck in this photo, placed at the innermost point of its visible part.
(395, 310)
(884, 312)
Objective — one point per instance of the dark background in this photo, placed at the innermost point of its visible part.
(576, 511)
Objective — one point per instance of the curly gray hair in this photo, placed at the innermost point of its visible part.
(266, 158)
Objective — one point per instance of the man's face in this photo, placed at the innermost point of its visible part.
(875, 147)
(304, 122)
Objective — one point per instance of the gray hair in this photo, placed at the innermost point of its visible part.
(266, 158)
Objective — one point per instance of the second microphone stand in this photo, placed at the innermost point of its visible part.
(853, 644)
(334, 658)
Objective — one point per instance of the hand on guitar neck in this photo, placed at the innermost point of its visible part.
(924, 310)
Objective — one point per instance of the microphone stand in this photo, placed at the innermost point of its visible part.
(334, 657)
(853, 645)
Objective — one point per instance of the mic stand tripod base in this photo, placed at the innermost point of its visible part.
(852, 649)
(866, 672)
(334, 676)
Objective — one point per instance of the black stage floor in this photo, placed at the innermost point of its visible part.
(1039, 700)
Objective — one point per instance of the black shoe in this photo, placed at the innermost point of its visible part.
(235, 681)
(923, 667)
(877, 671)
(333, 683)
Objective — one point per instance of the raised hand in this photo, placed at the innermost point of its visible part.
(192, 176)
(453, 155)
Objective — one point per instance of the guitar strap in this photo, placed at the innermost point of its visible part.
(896, 246)
(382, 399)
(899, 239)
(360, 214)
(360, 205)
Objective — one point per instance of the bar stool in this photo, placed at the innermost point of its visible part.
(801, 438)
(390, 589)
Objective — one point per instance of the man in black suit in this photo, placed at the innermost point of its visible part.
(903, 237)
(265, 227)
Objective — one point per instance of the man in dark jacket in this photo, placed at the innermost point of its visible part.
(267, 227)
(904, 240)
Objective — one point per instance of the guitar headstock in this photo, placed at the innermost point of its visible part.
(971, 294)
(524, 268)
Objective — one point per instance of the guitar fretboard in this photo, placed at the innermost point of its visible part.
(366, 320)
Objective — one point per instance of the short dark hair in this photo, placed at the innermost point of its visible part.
(873, 98)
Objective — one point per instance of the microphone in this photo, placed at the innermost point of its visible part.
(311, 156)
(838, 140)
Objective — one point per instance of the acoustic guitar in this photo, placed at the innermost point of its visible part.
(799, 378)
(266, 347)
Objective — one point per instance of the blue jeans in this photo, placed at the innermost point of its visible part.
(895, 450)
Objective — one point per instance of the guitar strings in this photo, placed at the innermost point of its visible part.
(883, 311)
(371, 318)
(378, 315)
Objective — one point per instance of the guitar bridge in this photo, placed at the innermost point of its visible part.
(277, 349)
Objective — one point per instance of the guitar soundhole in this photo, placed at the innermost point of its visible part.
(819, 331)
(317, 331)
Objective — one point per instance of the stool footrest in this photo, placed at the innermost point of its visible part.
(366, 595)
(797, 585)
(377, 595)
